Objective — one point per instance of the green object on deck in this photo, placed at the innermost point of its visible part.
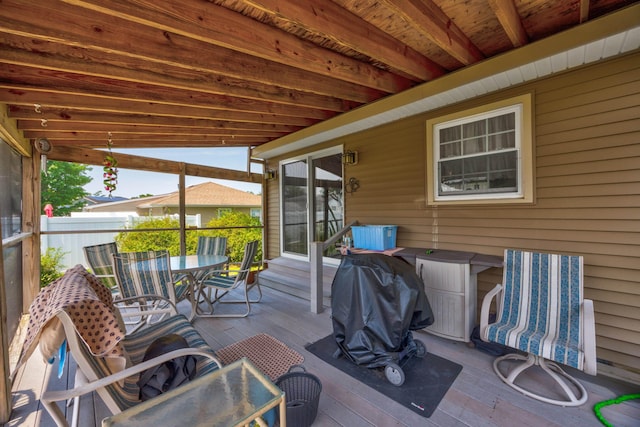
(598, 406)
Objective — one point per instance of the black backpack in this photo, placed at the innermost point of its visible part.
(170, 374)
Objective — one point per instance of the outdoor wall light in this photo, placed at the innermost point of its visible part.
(270, 174)
(350, 157)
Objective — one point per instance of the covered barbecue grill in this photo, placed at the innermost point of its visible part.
(377, 300)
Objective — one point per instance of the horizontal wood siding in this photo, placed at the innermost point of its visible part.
(272, 218)
(587, 192)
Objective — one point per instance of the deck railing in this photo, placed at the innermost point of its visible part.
(316, 251)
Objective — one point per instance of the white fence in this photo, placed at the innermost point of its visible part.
(72, 244)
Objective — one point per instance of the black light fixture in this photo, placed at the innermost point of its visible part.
(350, 157)
(270, 174)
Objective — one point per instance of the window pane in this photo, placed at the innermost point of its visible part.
(502, 141)
(502, 123)
(474, 129)
(294, 207)
(475, 164)
(450, 176)
(503, 161)
(449, 150)
(474, 146)
(505, 180)
(11, 195)
(450, 134)
(475, 182)
(503, 168)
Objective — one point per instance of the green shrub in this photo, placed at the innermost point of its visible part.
(170, 240)
(155, 240)
(237, 238)
(51, 266)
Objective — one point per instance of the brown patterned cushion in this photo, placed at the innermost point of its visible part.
(89, 305)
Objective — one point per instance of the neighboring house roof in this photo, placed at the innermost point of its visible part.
(208, 194)
(95, 200)
(126, 205)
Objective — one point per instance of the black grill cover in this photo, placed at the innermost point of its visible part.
(376, 301)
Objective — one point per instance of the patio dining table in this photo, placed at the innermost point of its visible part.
(189, 265)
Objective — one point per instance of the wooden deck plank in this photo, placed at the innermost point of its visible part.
(477, 397)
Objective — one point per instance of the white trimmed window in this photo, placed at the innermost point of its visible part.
(482, 155)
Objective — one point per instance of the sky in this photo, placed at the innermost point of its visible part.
(132, 183)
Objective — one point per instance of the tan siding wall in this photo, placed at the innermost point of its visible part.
(587, 202)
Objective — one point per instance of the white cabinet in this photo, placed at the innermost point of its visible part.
(451, 290)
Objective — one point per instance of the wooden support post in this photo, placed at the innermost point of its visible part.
(183, 210)
(315, 259)
(31, 223)
(5, 385)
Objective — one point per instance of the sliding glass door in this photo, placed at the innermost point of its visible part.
(312, 201)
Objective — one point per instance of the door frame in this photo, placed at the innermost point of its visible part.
(308, 157)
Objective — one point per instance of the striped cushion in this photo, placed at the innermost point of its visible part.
(126, 395)
(209, 246)
(100, 259)
(542, 306)
(220, 282)
(141, 273)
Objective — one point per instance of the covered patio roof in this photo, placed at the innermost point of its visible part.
(242, 73)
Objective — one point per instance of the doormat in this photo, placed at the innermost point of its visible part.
(426, 379)
(272, 357)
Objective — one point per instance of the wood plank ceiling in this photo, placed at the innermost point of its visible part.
(194, 73)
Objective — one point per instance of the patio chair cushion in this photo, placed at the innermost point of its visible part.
(90, 308)
(542, 307)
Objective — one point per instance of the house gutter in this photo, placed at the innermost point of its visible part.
(602, 38)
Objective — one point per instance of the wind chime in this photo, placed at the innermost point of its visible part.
(110, 169)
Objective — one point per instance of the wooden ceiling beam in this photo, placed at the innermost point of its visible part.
(304, 89)
(29, 97)
(427, 18)
(171, 40)
(159, 143)
(66, 82)
(507, 14)
(584, 10)
(67, 139)
(127, 161)
(190, 81)
(150, 144)
(335, 23)
(100, 130)
(101, 137)
(25, 113)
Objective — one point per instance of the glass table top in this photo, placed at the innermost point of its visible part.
(233, 395)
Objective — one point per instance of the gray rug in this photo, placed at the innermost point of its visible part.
(426, 379)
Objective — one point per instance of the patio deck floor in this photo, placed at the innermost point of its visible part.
(477, 397)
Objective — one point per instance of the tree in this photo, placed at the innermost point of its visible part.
(62, 186)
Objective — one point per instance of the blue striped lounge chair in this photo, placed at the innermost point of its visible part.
(145, 276)
(542, 313)
(209, 246)
(214, 287)
(108, 360)
(119, 391)
(99, 257)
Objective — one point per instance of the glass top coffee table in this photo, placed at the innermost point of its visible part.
(234, 395)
